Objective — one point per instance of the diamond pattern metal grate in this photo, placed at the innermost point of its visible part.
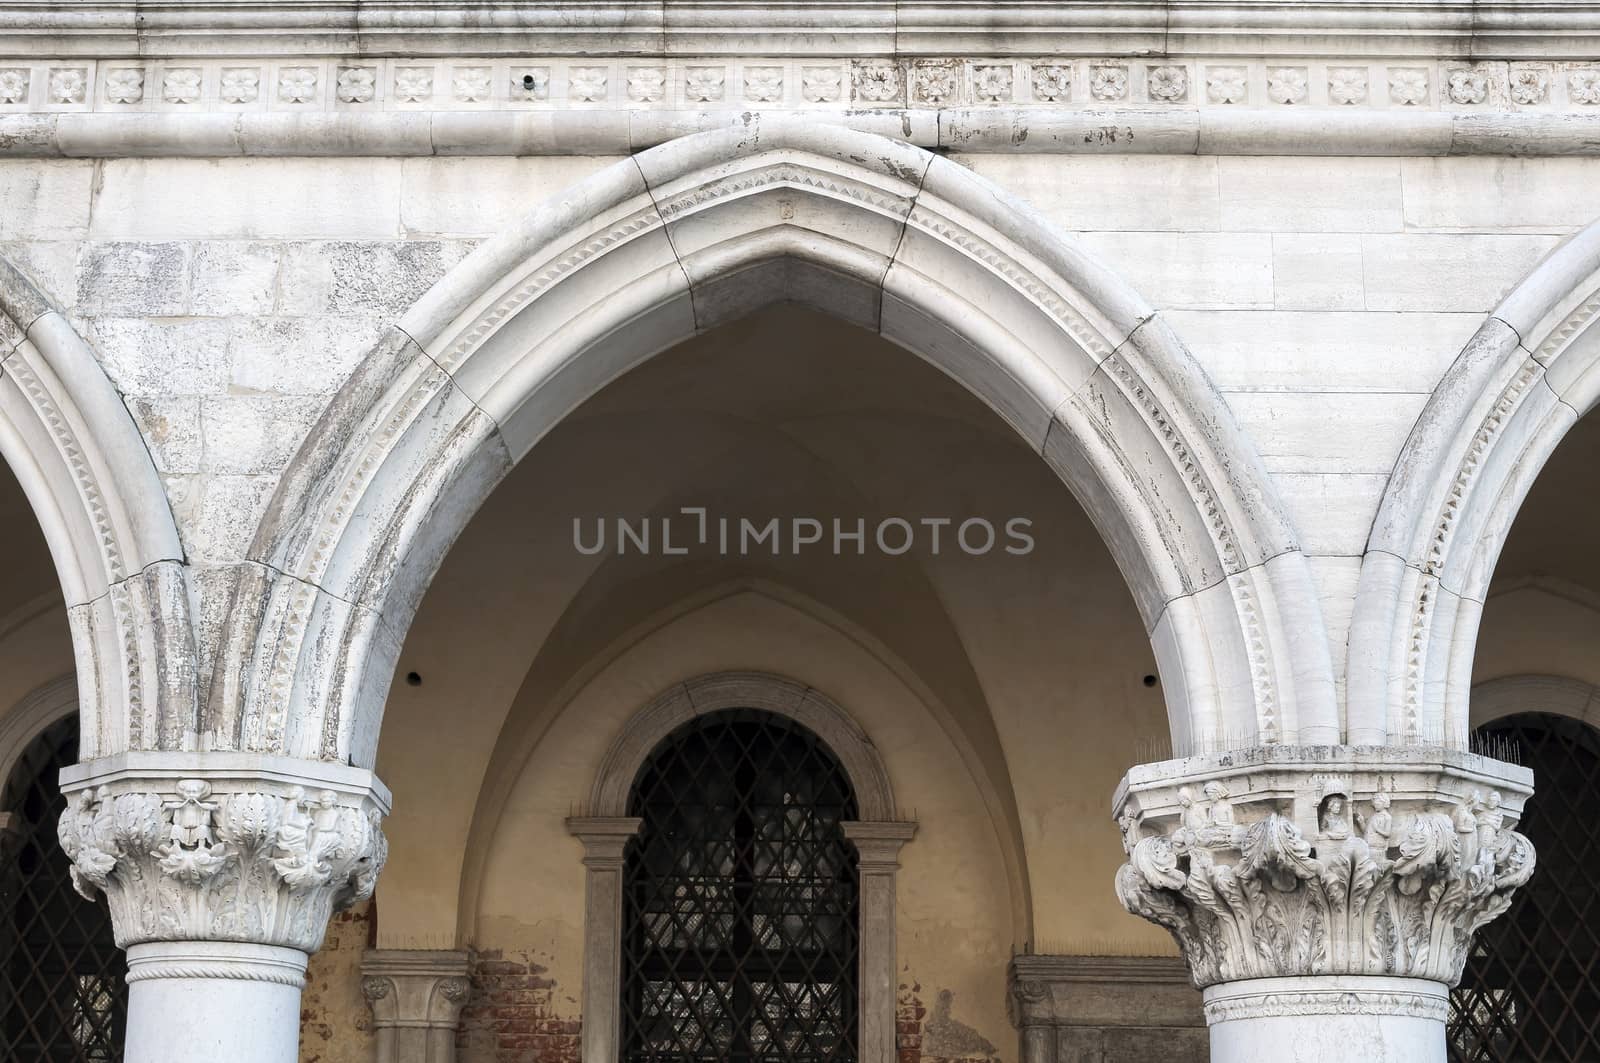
(62, 994)
(1531, 989)
(740, 902)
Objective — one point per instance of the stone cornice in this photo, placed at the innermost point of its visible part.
(1499, 29)
(1013, 130)
(1100, 991)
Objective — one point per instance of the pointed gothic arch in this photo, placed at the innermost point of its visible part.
(1522, 381)
(93, 487)
(700, 231)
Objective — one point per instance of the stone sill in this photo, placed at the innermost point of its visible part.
(994, 129)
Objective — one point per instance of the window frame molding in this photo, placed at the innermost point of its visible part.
(606, 829)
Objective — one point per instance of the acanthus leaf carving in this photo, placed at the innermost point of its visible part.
(1395, 893)
(191, 864)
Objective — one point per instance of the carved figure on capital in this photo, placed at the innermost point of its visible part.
(1379, 830)
(1261, 900)
(189, 864)
(191, 852)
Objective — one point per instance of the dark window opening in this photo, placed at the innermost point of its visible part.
(1531, 989)
(63, 998)
(740, 899)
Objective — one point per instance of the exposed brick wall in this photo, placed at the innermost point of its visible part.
(517, 1013)
(936, 1035)
(908, 1016)
(335, 1022)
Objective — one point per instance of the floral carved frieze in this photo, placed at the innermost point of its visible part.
(479, 83)
(180, 861)
(1355, 866)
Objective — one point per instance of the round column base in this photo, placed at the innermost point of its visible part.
(1327, 1019)
(205, 1001)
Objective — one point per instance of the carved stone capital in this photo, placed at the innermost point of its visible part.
(1286, 861)
(878, 843)
(415, 990)
(223, 847)
(605, 838)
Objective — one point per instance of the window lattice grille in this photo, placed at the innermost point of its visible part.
(740, 902)
(1531, 989)
(62, 994)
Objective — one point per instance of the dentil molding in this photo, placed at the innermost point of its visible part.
(360, 84)
(1293, 862)
(225, 855)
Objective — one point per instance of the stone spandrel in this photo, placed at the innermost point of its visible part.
(1293, 862)
(191, 856)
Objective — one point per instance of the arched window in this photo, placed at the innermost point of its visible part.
(1531, 989)
(740, 898)
(62, 994)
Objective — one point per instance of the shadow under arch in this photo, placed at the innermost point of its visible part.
(1522, 381)
(704, 229)
(523, 733)
(94, 490)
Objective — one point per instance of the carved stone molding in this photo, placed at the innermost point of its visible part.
(416, 996)
(229, 854)
(545, 82)
(1292, 862)
(1239, 1001)
(1072, 1008)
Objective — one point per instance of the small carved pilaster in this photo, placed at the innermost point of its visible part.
(1282, 862)
(223, 847)
(1111, 1007)
(878, 846)
(416, 997)
(605, 844)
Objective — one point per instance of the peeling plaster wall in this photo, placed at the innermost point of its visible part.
(517, 1011)
(335, 1024)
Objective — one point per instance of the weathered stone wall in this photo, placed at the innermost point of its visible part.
(335, 1024)
(228, 298)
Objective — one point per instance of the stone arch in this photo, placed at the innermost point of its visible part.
(700, 231)
(37, 710)
(90, 481)
(1490, 426)
(693, 698)
(1554, 694)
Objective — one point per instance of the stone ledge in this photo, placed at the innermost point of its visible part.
(996, 129)
(1140, 991)
(636, 27)
(1106, 1009)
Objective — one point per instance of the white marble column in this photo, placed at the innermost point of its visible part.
(221, 871)
(1327, 1019)
(1324, 897)
(416, 996)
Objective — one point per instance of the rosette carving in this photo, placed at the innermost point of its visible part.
(252, 866)
(1369, 892)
